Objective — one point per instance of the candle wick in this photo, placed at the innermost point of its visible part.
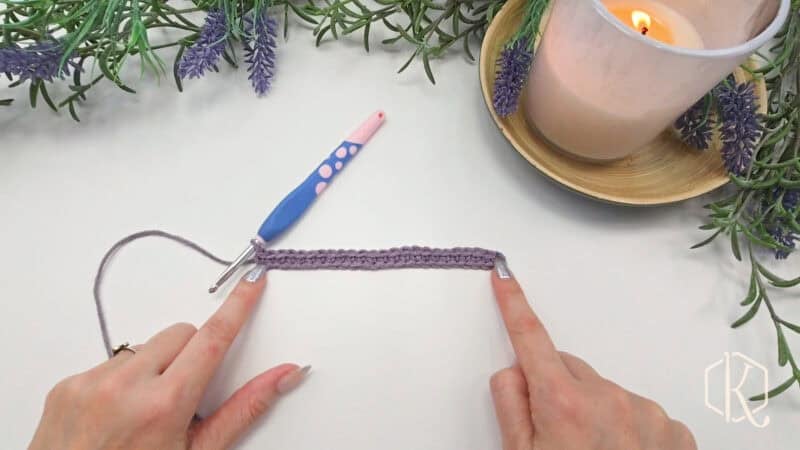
(644, 31)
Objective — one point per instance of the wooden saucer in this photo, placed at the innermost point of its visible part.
(666, 171)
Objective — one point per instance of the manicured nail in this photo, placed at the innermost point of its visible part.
(292, 379)
(255, 274)
(502, 269)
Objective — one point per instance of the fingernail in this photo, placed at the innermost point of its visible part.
(501, 267)
(255, 274)
(292, 379)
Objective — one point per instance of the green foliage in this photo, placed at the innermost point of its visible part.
(104, 33)
(760, 211)
(530, 28)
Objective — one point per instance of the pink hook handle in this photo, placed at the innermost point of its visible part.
(367, 129)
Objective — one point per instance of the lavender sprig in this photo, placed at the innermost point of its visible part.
(762, 153)
(259, 50)
(740, 125)
(39, 61)
(207, 49)
(791, 199)
(513, 67)
(696, 125)
(785, 238)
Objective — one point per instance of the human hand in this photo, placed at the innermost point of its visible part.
(553, 400)
(147, 400)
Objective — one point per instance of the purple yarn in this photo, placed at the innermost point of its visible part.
(39, 61)
(395, 258)
(207, 49)
(260, 50)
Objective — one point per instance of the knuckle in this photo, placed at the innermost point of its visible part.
(158, 407)
(107, 390)
(243, 292)
(172, 394)
(568, 409)
(565, 402)
(220, 330)
(68, 388)
(504, 380)
(683, 436)
(256, 407)
(185, 328)
(577, 360)
(619, 402)
(525, 324)
(653, 410)
(214, 350)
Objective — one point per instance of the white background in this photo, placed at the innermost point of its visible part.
(401, 359)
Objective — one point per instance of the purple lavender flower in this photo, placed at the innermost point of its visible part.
(260, 50)
(740, 125)
(696, 124)
(785, 237)
(39, 61)
(791, 199)
(512, 72)
(207, 49)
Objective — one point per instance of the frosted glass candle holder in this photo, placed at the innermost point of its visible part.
(601, 88)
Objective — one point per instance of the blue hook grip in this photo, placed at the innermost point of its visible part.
(292, 207)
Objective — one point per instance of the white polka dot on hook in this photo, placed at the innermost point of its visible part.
(353, 149)
(320, 187)
(338, 165)
(325, 171)
(341, 152)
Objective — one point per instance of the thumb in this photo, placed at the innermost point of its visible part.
(510, 395)
(221, 430)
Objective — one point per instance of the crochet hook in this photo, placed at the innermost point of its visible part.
(292, 207)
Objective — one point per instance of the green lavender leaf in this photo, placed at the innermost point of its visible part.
(791, 326)
(46, 97)
(33, 92)
(748, 315)
(72, 111)
(752, 293)
(776, 280)
(783, 348)
(707, 241)
(426, 63)
(776, 391)
(176, 67)
(737, 252)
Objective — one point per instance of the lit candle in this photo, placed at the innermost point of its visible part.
(643, 22)
(656, 21)
(599, 91)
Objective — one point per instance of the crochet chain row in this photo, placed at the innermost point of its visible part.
(394, 258)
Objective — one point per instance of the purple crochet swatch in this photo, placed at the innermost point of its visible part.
(394, 258)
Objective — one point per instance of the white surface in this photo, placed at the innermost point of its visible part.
(401, 359)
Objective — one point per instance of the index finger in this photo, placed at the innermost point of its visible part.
(535, 352)
(195, 365)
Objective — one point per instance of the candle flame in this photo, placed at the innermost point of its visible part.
(641, 20)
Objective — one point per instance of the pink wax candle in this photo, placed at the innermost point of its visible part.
(605, 81)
